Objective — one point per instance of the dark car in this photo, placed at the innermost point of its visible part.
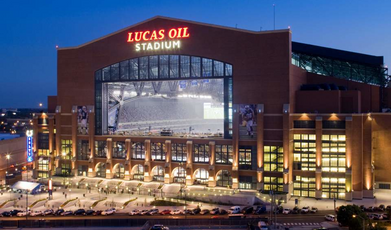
(362, 207)
(205, 211)
(79, 212)
(67, 213)
(295, 210)
(89, 212)
(97, 213)
(223, 212)
(59, 212)
(260, 210)
(188, 212)
(196, 211)
(248, 210)
(381, 207)
(388, 207)
(159, 227)
(14, 212)
(6, 214)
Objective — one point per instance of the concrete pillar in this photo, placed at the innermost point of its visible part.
(147, 164)
(348, 184)
(287, 175)
(189, 165)
(58, 137)
(260, 145)
(318, 172)
(368, 167)
(128, 147)
(357, 159)
(167, 165)
(51, 147)
(109, 158)
(74, 141)
(235, 137)
(211, 171)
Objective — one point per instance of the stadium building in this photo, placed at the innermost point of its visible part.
(177, 101)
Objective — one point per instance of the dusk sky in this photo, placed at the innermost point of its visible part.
(30, 30)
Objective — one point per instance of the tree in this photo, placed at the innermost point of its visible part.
(345, 217)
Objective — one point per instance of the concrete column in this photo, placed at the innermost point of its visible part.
(348, 178)
(368, 189)
(260, 145)
(74, 140)
(348, 154)
(287, 175)
(58, 137)
(235, 138)
(318, 172)
(167, 165)
(109, 159)
(128, 146)
(147, 164)
(357, 158)
(211, 171)
(51, 147)
(189, 165)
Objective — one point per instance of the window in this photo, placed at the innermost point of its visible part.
(333, 153)
(245, 158)
(201, 176)
(158, 173)
(65, 169)
(43, 144)
(133, 69)
(163, 63)
(273, 158)
(179, 175)
(223, 154)
(206, 67)
(143, 68)
(138, 150)
(138, 172)
(43, 165)
(228, 70)
(195, 67)
(218, 68)
(174, 66)
(247, 182)
(114, 72)
(185, 66)
(119, 150)
(158, 151)
(153, 67)
(119, 171)
(101, 170)
(66, 149)
(201, 153)
(124, 70)
(178, 152)
(333, 124)
(304, 152)
(82, 170)
(304, 186)
(304, 124)
(273, 183)
(224, 179)
(83, 152)
(333, 188)
(100, 148)
(43, 174)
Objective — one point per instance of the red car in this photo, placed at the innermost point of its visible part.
(165, 212)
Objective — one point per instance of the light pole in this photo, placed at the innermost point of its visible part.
(363, 221)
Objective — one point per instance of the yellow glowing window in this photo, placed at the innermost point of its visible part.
(341, 150)
(326, 150)
(341, 180)
(296, 137)
(325, 179)
(334, 137)
(334, 180)
(325, 137)
(334, 170)
(341, 170)
(304, 136)
(342, 138)
(326, 169)
(312, 137)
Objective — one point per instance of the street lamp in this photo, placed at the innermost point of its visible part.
(363, 221)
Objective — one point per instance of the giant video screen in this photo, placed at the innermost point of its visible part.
(165, 108)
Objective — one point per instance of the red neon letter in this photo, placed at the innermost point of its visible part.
(145, 33)
(130, 39)
(185, 33)
(170, 33)
(138, 38)
(153, 36)
(161, 34)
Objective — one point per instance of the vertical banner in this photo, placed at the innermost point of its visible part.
(30, 155)
(82, 120)
(247, 121)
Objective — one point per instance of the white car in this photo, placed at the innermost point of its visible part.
(108, 212)
(286, 211)
(234, 210)
(305, 209)
(24, 213)
(36, 213)
(176, 212)
(134, 212)
(144, 212)
(329, 217)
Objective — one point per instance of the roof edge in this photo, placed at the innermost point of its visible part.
(175, 19)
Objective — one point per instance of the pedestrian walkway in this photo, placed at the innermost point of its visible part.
(302, 224)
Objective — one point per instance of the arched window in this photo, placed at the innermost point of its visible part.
(223, 178)
(138, 172)
(119, 171)
(158, 151)
(158, 173)
(100, 170)
(179, 175)
(201, 176)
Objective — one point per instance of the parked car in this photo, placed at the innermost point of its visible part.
(153, 211)
(6, 214)
(314, 210)
(159, 227)
(362, 207)
(381, 207)
(234, 210)
(248, 210)
(14, 212)
(176, 212)
(89, 212)
(134, 212)
(24, 213)
(385, 216)
(144, 212)
(107, 212)
(204, 211)
(36, 213)
(196, 211)
(67, 213)
(370, 209)
(329, 217)
(79, 212)
(388, 207)
(305, 210)
(371, 216)
(97, 213)
(165, 212)
(48, 212)
(58, 212)
(286, 211)
(377, 216)
(214, 211)
(223, 211)
(260, 210)
(295, 210)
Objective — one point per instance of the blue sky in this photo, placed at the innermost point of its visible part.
(30, 30)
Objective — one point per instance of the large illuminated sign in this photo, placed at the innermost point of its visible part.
(158, 39)
(29, 134)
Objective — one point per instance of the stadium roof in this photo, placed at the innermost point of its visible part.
(337, 54)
